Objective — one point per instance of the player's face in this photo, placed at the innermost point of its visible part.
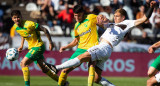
(118, 17)
(78, 16)
(17, 19)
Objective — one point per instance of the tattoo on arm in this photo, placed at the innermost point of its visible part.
(41, 28)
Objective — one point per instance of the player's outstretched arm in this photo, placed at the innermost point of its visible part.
(70, 45)
(22, 43)
(152, 48)
(147, 14)
(41, 28)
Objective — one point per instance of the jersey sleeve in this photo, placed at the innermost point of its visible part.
(130, 24)
(107, 25)
(75, 32)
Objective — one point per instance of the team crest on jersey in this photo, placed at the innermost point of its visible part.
(85, 25)
(85, 32)
(27, 35)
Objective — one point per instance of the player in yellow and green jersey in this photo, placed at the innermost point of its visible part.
(86, 36)
(30, 31)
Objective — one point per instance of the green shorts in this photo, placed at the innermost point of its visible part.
(156, 63)
(36, 53)
(77, 53)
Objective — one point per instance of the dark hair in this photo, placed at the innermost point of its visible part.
(78, 9)
(15, 12)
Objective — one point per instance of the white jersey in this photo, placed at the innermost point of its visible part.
(116, 32)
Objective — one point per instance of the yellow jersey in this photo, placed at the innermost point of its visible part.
(87, 32)
(30, 33)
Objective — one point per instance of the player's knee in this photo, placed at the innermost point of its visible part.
(84, 57)
(22, 64)
(153, 80)
(150, 74)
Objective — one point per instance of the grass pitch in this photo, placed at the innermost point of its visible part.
(74, 81)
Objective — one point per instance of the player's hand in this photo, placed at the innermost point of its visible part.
(62, 49)
(153, 4)
(151, 49)
(20, 49)
(51, 45)
(101, 19)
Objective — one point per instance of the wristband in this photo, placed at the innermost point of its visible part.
(149, 12)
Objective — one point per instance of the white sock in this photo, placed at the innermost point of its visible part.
(105, 82)
(69, 63)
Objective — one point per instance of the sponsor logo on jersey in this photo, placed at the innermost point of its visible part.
(85, 32)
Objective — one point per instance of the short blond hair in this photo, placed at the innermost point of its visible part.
(122, 12)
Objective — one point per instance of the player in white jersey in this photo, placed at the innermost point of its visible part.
(114, 33)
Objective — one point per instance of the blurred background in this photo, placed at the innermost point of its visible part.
(51, 14)
(129, 58)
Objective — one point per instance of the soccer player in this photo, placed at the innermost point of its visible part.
(86, 36)
(30, 31)
(153, 70)
(115, 32)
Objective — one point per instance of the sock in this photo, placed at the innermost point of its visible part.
(62, 79)
(26, 75)
(68, 64)
(91, 76)
(53, 76)
(105, 82)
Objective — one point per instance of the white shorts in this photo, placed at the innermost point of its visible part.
(157, 76)
(100, 53)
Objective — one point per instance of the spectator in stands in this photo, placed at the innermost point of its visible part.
(7, 25)
(135, 6)
(55, 4)
(128, 7)
(1, 17)
(143, 26)
(108, 10)
(89, 2)
(140, 14)
(22, 3)
(146, 4)
(156, 21)
(58, 5)
(47, 11)
(66, 17)
(4, 39)
(97, 8)
(115, 4)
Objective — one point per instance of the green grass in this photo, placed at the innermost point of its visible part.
(74, 81)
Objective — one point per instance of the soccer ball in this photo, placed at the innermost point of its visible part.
(12, 54)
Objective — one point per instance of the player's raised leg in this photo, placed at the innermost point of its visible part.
(42, 65)
(73, 62)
